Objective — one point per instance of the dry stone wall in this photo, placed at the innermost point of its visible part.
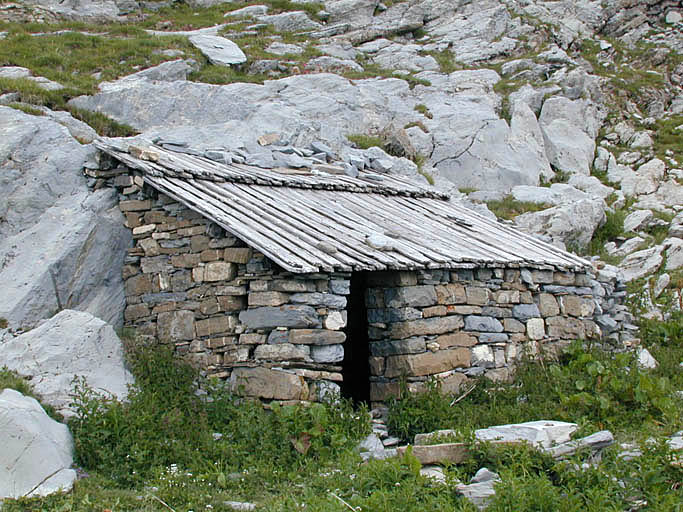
(456, 324)
(228, 308)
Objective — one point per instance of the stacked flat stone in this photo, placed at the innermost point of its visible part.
(455, 324)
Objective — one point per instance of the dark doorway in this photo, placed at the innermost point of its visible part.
(356, 369)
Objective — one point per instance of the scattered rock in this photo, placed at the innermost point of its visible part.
(167, 72)
(433, 473)
(641, 263)
(480, 490)
(594, 442)
(219, 50)
(240, 505)
(637, 220)
(570, 224)
(15, 72)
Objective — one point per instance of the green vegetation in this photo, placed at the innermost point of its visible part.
(3, 323)
(584, 385)
(422, 109)
(669, 138)
(419, 124)
(161, 450)
(446, 61)
(508, 208)
(608, 232)
(366, 141)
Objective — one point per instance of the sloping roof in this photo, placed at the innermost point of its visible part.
(323, 222)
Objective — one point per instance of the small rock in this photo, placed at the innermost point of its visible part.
(219, 50)
(371, 443)
(673, 17)
(434, 473)
(661, 284)
(484, 475)
(645, 360)
(240, 505)
(637, 220)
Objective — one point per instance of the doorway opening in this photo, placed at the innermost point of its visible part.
(356, 366)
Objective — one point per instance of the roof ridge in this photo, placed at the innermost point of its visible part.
(160, 161)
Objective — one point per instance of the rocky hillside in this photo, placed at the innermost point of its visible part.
(563, 117)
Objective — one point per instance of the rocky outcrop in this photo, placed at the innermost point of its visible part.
(36, 456)
(571, 225)
(62, 246)
(70, 345)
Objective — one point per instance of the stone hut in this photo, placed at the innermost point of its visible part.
(293, 284)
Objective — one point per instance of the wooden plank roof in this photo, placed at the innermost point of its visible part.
(311, 223)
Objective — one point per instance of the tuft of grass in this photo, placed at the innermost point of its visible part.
(419, 124)
(362, 141)
(608, 232)
(508, 208)
(3, 323)
(422, 109)
(446, 60)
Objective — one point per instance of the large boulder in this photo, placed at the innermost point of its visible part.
(569, 129)
(69, 345)
(36, 453)
(568, 224)
(61, 246)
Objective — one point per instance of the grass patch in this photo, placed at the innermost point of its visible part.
(668, 138)
(612, 229)
(585, 385)
(422, 109)
(446, 60)
(508, 208)
(158, 451)
(3, 323)
(419, 124)
(362, 141)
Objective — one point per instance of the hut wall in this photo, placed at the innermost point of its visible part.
(229, 309)
(453, 325)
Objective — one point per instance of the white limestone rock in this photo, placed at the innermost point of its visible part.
(166, 72)
(556, 194)
(55, 233)
(14, 72)
(36, 455)
(645, 360)
(569, 129)
(69, 345)
(674, 253)
(480, 490)
(641, 263)
(572, 223)
(541, 433)
(590, 185)
(637, 220)
(219, 50)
